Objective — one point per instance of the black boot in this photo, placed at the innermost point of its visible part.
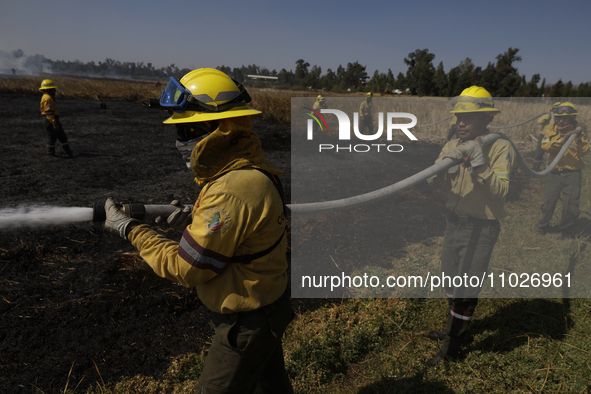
(438, 335)
(51, 151)
(68, 150)
(542, 230)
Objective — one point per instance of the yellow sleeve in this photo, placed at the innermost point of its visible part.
(582, 145)
(494, 177)
(162, 255)
(552, 143)
(439, 180)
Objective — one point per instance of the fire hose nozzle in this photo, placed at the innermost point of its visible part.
(138, 211)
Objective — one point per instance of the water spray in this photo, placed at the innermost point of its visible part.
(39, 216)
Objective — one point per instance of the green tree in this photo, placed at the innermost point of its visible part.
(301, 71)
(313, 78)
(556, 90)
(453, 86)
(353, 75)
(330, 80)
(420, 72)
(543, 88)
(466, 77)
(440, 80)
(401, 82)
(508, 78)
(567, 90)
(390, 80)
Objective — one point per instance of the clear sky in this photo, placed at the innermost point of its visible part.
(553, 37)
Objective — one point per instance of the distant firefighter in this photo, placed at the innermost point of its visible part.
(564, 181)
(319, 103)
(365, 120)
(51, 120)
(546, 123)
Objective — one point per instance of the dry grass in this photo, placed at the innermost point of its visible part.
(276, 105)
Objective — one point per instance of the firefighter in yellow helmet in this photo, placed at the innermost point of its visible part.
(565, 178)
(233, 247)
(51, 119)
(476, 198)
(319, 104)
(365, 117)
(545, 122)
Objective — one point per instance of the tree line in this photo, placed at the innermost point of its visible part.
(501, 78)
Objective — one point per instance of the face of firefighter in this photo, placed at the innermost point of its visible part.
(192, 131)
(472, 125)
(564, 124)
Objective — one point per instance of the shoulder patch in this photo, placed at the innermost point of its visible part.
(216, 221)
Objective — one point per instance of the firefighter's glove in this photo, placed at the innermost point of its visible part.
(180, 218)
(117, 220)
(470, 150)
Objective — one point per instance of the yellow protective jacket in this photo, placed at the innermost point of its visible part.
(480, 194)
(49, 108)
(553, 142)
(365, 110)
(318, 105)
(545, 121)
(239, 212)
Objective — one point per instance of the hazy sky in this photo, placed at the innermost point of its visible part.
(553, 37)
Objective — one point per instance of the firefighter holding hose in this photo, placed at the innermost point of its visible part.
(565, 178)
(545, 122)
(476, 197)
(233, 247)
(51, 120)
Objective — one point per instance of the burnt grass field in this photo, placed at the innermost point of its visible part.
(77, 305)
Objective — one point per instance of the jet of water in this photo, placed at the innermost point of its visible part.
(39, 216)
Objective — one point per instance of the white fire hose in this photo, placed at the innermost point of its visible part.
(443, 165)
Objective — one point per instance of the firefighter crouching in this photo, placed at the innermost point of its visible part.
(51, 120)
(233, 247)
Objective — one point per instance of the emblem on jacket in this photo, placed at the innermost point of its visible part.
(216, 221)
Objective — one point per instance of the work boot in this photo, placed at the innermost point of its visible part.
(68, 150)
(542, 230)
(436, 359)
(51, 151)
(437, 335)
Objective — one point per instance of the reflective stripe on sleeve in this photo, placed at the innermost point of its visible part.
(199, 257)
(502, 175)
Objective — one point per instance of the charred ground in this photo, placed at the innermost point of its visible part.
(76, 302)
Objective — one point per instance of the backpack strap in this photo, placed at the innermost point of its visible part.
(247, 258)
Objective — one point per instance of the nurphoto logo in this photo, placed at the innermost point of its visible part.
(345, 130)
